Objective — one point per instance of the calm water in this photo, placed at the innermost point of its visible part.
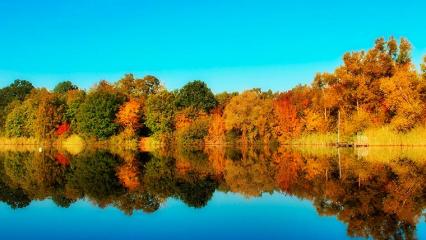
(215, 193)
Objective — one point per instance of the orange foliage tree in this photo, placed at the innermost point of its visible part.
(128, 174)
(130, 114)
(288, 121)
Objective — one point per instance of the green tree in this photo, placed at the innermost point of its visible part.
(97, 113)
(159, 177)
(64, 87)
(196, 94)
(19, 122)
(195, 190)
(95, 175)
(18, 90)
(160, 112)
(74, 99)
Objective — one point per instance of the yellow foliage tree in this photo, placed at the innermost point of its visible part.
(313, 121)
(216, 131)
(251, 114)
(403, 99)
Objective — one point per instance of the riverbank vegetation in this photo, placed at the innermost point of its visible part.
(376, 97)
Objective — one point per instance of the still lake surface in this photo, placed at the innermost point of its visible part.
(214, 193)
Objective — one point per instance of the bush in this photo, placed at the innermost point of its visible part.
(193, 134)
(125, 140)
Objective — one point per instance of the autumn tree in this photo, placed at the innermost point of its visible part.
(38, 116)
(402, 99)
(289, 124)
(129, 174)
(49, 115)
(216, 130)
(222, 100)
(139, 87)
(324, 94)
(194, 101)
(422, 85)
(313, 121)
(130, 115)
(357, 122)
(250, 174)
(357, 84)
(251, 115)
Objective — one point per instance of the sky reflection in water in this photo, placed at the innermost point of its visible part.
(227, 216)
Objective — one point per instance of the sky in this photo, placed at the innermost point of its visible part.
(231, 45)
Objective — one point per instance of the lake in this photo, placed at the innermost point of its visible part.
(213, 193)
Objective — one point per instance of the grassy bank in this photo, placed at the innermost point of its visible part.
(383, 136)
(386, 137)
(371, 137)
(315, 139)
(19, 141)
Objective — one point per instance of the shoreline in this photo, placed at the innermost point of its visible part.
(335, 145)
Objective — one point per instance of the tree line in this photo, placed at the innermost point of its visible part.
(374, 88)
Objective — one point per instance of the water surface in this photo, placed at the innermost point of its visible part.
(214, 193)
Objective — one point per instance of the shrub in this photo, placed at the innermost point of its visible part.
(193, 134)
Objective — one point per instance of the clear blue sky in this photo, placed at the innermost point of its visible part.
(232, 45)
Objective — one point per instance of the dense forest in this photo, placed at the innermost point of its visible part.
(376, 89)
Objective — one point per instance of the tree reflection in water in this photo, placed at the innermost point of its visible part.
(378, 193)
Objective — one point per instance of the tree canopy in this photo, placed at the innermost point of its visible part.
(96, 115)
(196, 94)
(17, 91)
(64, 87)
